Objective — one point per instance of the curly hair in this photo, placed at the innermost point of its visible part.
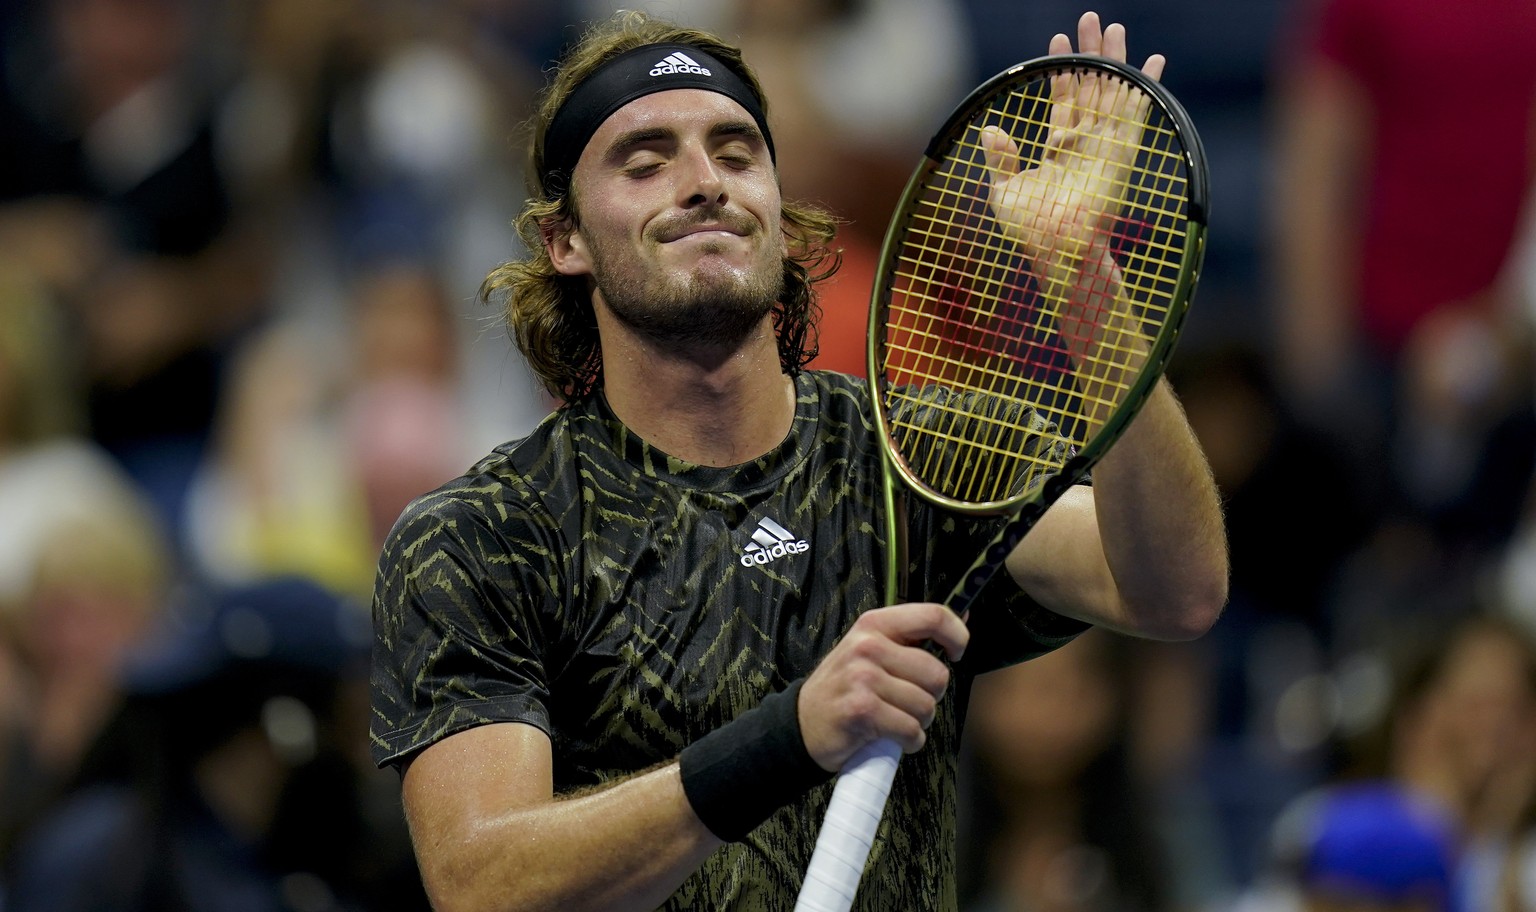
(549, 315)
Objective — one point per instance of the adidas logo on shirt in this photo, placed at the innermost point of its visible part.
(678, 62)
(770, 542)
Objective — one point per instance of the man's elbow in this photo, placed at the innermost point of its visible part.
(1198, 609)
(447, 889)
(1185, 614)
(447, 893)
(456, 882)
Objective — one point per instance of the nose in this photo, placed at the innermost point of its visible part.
(702, 180)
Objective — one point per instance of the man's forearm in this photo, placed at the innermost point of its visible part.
(627, 846)
(1160, 521)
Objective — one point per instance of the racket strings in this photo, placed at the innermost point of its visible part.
(996, 374)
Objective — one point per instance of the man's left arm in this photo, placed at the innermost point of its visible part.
(1143, 550)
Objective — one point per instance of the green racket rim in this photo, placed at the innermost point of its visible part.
(1162, 345)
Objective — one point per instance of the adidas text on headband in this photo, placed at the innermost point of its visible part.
(631, 75)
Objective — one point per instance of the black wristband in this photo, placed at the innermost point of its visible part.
(739, 774)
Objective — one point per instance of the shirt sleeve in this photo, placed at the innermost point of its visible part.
(458, 636)
(1008, 627)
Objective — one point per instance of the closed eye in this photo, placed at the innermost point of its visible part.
(643, 152)
(739, 143)
(642, 168)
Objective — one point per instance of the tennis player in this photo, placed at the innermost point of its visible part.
(617, 662)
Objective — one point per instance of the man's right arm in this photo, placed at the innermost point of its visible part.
(489, 833)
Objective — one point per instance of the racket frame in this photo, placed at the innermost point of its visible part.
(854, 816)
(1029, 504)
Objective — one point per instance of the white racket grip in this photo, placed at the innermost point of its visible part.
(842, 847)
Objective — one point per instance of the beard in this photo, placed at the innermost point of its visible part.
(711, 304)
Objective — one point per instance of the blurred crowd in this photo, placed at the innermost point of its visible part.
(240, 245)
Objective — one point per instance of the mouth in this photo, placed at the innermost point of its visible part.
(702, 233)
(717, 236)
(705, 230)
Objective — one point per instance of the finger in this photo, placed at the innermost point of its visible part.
(1090, 37)
(917, 622)
(1113, 46)
(952, 635)
(1000, 153)
(903, 713)
(1114, 103)
(900, 726)
(917, 666)
(1063, 86)
(911, 700)
(1090, 40)
(1154, 66)
(1064, 101)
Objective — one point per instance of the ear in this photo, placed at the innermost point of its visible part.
(567, 249)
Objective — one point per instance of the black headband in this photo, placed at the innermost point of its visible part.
(631, 75)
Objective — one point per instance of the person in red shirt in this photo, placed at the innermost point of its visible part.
(1403, 144)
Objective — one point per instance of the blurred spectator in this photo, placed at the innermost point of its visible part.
(405, 429)
(97, 586)
(1398, 197)
(1515, 569)
(221, 784)
(244, 160)
(324, 439)
(82, 557)
(154, 371)
(109, 103)
(113, 180)
(400, 115)
(1170, 736)
(1255, 445)
(277, 494)
(1060, 820)
(1365, 847)
(50, 474)
(1439, 793)
(1461, 460)
(1465, 446)
(1465, 734)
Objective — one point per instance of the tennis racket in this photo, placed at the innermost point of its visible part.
(1031, 287)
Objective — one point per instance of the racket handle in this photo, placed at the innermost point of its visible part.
(858, 803)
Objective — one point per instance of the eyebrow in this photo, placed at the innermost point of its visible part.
(646, 135)
(743, 128)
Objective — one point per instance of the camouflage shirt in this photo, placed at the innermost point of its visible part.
(628, 603)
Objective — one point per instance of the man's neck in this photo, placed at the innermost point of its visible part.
(705, 406)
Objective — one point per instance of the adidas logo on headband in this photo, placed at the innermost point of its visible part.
(678, 62)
